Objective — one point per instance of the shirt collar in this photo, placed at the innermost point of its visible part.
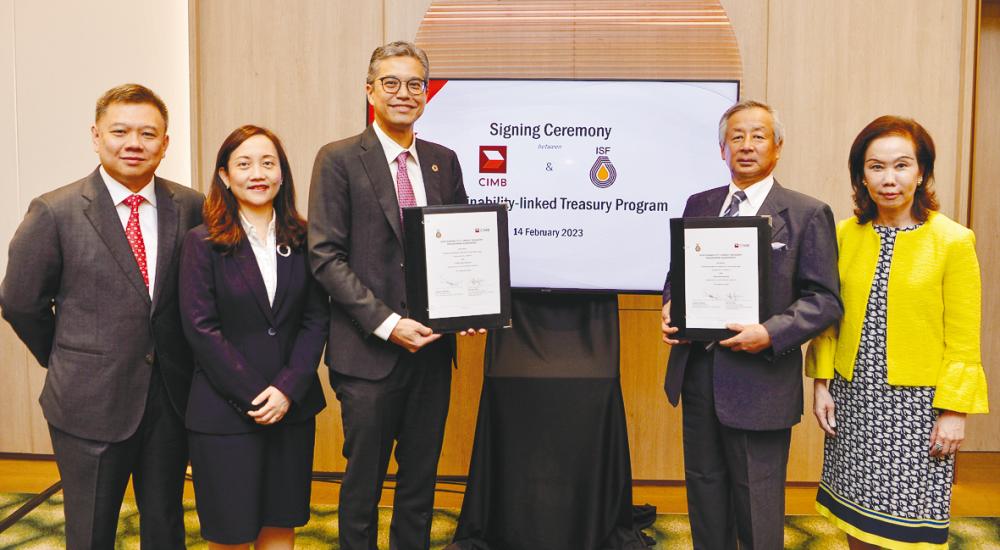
(249, 228)
(393, 149)
(119, 192)
(755, 193)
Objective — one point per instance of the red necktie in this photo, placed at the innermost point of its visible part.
(134, 235)
(404, 190)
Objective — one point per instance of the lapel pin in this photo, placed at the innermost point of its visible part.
(434, 168)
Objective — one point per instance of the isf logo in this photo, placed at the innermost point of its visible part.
(602, 173)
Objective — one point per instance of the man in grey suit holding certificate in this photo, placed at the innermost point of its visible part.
(742, 395)
(391, 373)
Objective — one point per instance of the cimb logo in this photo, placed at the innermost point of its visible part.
(493, 159)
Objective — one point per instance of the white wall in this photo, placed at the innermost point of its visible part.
(68, 53)
(56, 59)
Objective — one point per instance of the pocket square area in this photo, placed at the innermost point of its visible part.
(777, 246)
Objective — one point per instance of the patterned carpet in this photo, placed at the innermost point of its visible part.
(42, 529)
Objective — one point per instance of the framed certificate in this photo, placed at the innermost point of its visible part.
(458, 266)
(719, 274)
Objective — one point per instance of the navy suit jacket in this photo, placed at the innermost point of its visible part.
(356, 247)
(241, 343)
(763, 391)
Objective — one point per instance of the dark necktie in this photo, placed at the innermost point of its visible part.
(734, 205)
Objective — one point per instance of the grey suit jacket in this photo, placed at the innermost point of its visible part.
(74, 294)
(356, 247)
(764, 391)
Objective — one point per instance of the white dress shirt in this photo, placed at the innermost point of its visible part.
(756, 194)
(392, 150)
(266, 253)
(147, 217)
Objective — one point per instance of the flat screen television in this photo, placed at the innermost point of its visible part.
(591, 170)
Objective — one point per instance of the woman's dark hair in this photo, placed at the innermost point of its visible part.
(924, 198)
(221, 211)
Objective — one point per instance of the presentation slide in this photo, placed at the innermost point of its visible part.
(591, 171)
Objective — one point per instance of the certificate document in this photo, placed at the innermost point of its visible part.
(463, 268)
(457, 263)
(721, 276)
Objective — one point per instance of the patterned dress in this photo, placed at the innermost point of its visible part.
(879, 482)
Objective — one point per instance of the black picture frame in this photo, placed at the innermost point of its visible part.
(678, 308)
(416, 268)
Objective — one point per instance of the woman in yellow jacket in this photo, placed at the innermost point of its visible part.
(895, 380)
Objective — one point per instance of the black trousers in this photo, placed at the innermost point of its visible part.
(735, 478)
(95, 474)
(409, 407)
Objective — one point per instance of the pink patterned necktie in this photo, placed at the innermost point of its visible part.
(134, 235)
(404, 190)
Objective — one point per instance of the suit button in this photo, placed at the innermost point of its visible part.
(402, 305)
(403, 267)
(149, 358)
(271, 331)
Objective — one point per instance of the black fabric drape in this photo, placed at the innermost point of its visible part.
(550, 466)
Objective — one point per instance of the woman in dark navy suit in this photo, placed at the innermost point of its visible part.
(257, 323)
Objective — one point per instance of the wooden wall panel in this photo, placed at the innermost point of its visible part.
(984, 430)
(16, 436)
(296, 68)
(9, 209)
(403, 20)
(832, 68)
(654, 426)
(750, 23)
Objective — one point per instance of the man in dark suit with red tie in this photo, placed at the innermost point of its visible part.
(391, 373)
(91, 289)
(742, 395)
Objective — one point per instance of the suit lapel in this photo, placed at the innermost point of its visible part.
(373, 158)
(166, 235)
(430, 171)
(774, 206)
(284, 278)
(103, 216)
(713, 202)
(246, 264)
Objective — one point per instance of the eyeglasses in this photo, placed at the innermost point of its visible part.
(415, 86)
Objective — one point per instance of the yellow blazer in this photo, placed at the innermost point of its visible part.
(932, 332)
